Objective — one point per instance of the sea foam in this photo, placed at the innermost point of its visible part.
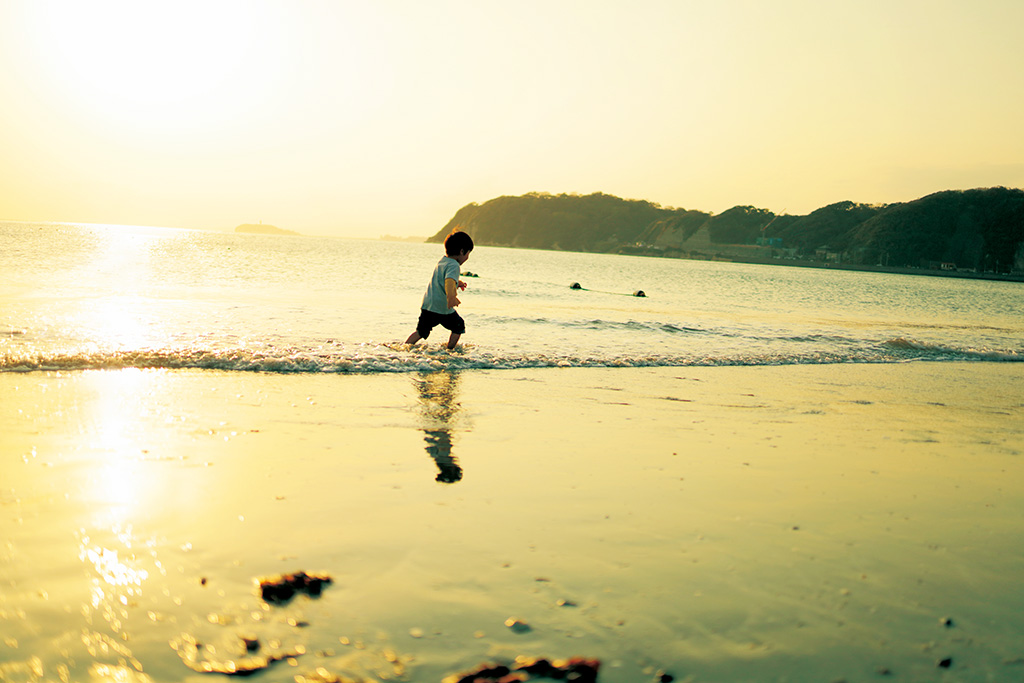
(372, 358)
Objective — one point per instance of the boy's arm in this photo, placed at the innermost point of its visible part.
(450, 290)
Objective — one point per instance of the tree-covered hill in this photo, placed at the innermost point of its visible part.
(829, 226)
(738, 225)
(596, 222)
(979, 229)
(982, 229)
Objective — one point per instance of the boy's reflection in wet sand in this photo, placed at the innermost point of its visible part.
(437, 391)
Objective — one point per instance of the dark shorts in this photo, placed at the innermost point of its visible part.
(452, 322)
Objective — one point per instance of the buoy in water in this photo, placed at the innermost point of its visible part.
(575, 285)
(639, 293)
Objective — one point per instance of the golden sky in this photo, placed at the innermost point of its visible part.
(372, 117)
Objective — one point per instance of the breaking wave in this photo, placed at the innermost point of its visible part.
(397, 358)
(930, 351)
(596, 324)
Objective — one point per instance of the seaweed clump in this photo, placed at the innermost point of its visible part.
(577, 670)
(280, 589)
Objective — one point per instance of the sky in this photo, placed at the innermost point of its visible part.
(360, 119)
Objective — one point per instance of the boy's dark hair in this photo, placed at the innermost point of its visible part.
(458, 242)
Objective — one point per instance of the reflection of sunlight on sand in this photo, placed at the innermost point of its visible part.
(117, 674)
(112, 571)
(116, 484)
(118, 411)
(115, 586)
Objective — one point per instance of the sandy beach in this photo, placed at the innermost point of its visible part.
(797, 523)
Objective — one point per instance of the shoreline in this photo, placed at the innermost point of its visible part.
(726, 257)
(716, 523)
(826, 265)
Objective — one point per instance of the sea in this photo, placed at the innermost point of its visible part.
(80, 296)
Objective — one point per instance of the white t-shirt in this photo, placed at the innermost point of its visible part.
(436, 300)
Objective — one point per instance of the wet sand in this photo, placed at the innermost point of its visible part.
(822, 523)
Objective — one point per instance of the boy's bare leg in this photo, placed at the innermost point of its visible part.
(453, 340)
(413, 338)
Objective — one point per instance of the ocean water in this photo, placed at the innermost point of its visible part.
(84, 297)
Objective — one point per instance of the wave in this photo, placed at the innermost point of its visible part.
(597, 324)
(941, 351)
(630, 326)
(398, 358)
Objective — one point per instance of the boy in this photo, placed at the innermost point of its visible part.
(440, 300)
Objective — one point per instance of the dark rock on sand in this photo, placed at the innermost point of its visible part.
(517, 625)
(577, 669)
(280, 589)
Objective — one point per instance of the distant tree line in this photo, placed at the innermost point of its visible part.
(596, 222)
(980, 229)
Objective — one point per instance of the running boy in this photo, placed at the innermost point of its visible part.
(440, 300)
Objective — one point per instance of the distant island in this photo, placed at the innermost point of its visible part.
(967, 233)
(263, 229)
